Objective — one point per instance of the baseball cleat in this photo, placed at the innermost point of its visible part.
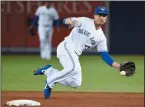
(47, 92)
(41, 71)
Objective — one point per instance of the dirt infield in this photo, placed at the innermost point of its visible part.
(78, 99)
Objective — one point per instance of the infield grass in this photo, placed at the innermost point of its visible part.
(97, 76)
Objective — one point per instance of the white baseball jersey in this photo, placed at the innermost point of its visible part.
(85, 36)
(46, 15)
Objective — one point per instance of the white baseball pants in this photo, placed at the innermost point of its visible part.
(45, 38)
(71, 75)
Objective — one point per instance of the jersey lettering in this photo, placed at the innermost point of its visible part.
(83, 31)
(93, 42)
(87, 47)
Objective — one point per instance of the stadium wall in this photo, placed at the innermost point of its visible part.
(17, 15)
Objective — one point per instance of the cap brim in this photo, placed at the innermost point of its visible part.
(101, 14)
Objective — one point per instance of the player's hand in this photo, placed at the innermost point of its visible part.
(72, 23)
(75, 23)
(116, 65)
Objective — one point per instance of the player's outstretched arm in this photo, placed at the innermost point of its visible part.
(109, 60)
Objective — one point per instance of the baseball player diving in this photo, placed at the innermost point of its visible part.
(45, 15)
(86, 33)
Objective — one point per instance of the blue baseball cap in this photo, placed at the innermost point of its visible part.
(101, 10)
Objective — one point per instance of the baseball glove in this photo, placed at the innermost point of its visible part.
(128, 67)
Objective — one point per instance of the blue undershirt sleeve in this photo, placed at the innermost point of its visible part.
(34, 20)
(57, 23)
(107, 58)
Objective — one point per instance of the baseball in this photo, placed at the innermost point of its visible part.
(123, 73)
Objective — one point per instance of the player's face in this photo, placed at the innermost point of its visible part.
(100, 19)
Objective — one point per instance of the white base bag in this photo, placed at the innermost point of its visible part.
(23, 103)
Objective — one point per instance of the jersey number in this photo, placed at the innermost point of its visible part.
(87, 47)
(92, 43)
